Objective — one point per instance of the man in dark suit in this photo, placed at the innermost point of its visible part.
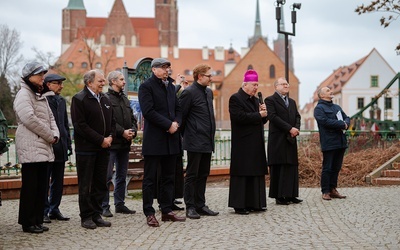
(62, 149)
(248, 160)
(162, 113)
(284, 126)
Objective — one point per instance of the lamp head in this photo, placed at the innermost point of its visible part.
(280, 2)
(296, 6)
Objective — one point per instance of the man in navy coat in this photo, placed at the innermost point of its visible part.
(332, 124)
(162, 118)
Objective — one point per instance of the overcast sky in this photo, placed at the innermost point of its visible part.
(329, 33)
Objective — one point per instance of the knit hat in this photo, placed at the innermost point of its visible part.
(250, 76)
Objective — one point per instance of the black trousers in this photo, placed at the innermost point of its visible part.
(166, 165)
(197, 171)
(33, 193)
(55, 174)
(331, 165)
(92, 179)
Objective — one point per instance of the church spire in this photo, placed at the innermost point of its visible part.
(257, 29)
(75, 5)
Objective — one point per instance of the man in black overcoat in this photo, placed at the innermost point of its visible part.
(284, 126)
(162, 118)
(248, 160)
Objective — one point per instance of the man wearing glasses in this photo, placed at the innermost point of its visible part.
(198, 129)
(284, 126)
(162, 118)
(62, 149)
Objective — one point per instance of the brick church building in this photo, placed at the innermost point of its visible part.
(107, 43)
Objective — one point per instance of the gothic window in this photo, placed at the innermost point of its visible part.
(103, 39)
(84, 65)
(122, 41)
(70, 65)
(98, 65)
(272, 71)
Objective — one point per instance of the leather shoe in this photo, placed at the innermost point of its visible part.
(191, 213)
(242, 211)
(101, 223)
(294, 200)
(44, 228)
(152, 221)
(281, 201)
(206, 211)
(171, 216)
(335, 194)
(122, 209)
(263, 209)
(46, 219)
(32, 229)
(88, 224)
(176, 208)
(107, 213)
(177, 202)
(326, 197)
(57, 216)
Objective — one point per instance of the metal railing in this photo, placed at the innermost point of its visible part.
(358, 140)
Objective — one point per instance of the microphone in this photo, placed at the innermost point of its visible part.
(260, 98)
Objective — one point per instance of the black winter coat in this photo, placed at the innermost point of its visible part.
(160, 107)
(92, 121)
(198, 126)
(124, 118)
(330, 128)
(59, 108)
(248, 147)
(282, 148)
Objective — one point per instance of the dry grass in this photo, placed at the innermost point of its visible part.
(363, 156)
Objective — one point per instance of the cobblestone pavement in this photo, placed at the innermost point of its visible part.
(368, 219)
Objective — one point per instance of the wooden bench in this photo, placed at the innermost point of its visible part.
(135, 166)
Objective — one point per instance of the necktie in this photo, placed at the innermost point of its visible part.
(286, 101)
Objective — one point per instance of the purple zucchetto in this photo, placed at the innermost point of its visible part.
(250, 76)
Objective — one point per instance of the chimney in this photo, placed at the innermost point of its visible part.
(219, 53)
(204, 54)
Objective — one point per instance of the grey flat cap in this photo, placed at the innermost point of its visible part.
(53, 77)
(159, 62)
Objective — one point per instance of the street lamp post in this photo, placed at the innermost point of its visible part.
(278, 12)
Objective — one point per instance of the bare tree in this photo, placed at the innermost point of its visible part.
(391, 8)
(10, 45)
(47, 58)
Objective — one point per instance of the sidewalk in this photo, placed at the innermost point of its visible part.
(368, 219)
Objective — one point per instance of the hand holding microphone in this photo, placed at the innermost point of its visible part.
(262, 107)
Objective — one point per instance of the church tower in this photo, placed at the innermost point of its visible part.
(279, 45)
(73, 18)
(257, 29)
(166, 18)
(118, 29)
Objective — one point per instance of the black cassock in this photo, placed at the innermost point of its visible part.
(248, 158)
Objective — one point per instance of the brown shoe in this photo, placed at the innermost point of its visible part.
(171, 216)
(152, 221)
(335, 194)
(326, 197)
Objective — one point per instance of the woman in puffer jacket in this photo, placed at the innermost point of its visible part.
(36, 132)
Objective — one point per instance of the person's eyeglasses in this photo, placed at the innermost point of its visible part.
(207, 75)
(284, 84)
